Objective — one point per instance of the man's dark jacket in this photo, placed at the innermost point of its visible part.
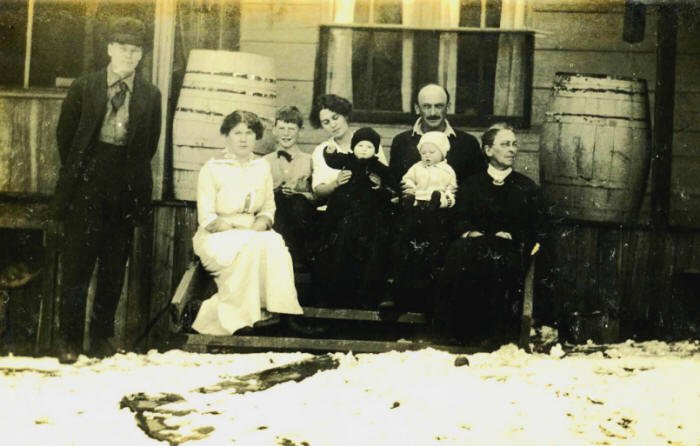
(464, 156)
(78, 131)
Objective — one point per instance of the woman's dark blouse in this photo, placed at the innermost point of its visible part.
(515, 207)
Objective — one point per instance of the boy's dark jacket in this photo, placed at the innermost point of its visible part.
(78, 128)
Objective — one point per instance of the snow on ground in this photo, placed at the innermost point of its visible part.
(628, 394)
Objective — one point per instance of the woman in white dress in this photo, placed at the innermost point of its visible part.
(250, 263)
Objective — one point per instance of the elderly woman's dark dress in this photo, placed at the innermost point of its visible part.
(482, 281)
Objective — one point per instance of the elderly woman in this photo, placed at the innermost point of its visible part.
(251, 265)
(500, 220)
(351, 265)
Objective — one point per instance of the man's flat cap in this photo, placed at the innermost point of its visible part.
(127, 30)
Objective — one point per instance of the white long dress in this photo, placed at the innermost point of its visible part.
(252, 269)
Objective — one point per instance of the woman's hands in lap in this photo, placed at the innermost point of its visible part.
(218, 225)
(238, 221)
(260, 225)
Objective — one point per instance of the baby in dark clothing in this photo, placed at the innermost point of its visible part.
(371, 183)
(358, 216)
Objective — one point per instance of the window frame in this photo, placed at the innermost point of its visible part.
(400, 117)
(30, 39)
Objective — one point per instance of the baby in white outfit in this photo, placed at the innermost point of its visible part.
(431, 182)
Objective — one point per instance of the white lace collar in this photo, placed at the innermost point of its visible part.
(498, 176)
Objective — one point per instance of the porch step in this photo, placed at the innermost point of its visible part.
(207, 344)
(360, 315)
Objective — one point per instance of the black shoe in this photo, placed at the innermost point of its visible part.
(67, 353)
(299, 326)
(104, 348)
(388, 311)
(387, 304)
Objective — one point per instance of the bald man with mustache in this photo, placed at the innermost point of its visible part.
(464, 156)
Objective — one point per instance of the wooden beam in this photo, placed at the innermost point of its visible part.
(360, 315)
(28, 43)
(163, 48)
(197, 341)
(662, 139)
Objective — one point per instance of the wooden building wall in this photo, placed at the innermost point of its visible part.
(585, 267)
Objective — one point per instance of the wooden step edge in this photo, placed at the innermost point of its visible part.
(199, 342)
(360, 315)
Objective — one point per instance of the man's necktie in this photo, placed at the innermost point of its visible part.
(284, 154)
(119, 98)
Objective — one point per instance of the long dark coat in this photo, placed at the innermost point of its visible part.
(78, 128)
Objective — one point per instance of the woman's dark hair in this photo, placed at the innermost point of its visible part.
(333, 103)
(490, 134)
(248, 118)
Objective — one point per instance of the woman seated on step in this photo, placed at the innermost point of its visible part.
(250, 263)
(500, 222)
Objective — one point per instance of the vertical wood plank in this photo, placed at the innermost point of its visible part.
(49, 290)
(19, 165)
(48, 162)
(587, 269)
(185, 226)
(138, 296)
(609, 279)
(163, 241)
(6, 128)
(33, 143)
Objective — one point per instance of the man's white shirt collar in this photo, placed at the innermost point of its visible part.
(417, 130)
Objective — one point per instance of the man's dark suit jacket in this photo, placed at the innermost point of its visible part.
(464, 156)
(78, 130)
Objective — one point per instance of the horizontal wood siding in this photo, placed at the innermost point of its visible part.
(288, 32)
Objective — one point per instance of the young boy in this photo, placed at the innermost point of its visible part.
(357, 220)
(431, 181)
(291, 174)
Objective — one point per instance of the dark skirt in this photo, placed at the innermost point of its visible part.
(418, 251)
(481, 289)
(352, 264)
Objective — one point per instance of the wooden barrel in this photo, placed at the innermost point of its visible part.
(594, 147)
(215, 84)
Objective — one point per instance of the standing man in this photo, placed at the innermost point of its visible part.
(107, 133)
(431, 105)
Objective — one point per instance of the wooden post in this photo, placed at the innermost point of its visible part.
(28, 43)
(661, 154)
(163, 48)
(662, 140)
